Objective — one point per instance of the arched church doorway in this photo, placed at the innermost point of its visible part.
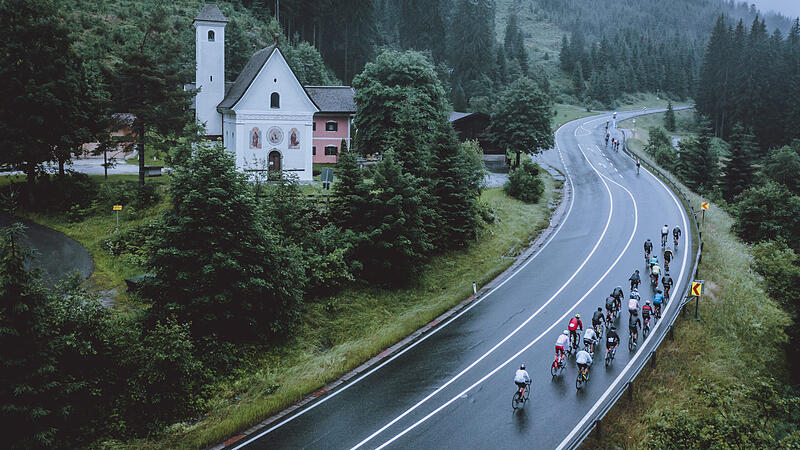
(274, 161)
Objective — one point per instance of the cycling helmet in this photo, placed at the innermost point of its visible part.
(522, 367)
(648, 239)
(599, 308)
(666, 225)
(658, 290)
(565, 332)
(577, 316)
(647, 302)
(613, 327)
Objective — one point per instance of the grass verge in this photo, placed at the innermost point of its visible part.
(342, 331)
(737, 340)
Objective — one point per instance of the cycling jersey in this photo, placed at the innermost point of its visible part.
(618, 292)
(648, 246)
(635, 277)
(583, 357)
(610, 302)
(635, 294)
(590, 335)
(634, 322)
(665, 231)
(667, 255)
(654, 260)
(676, 232)
(667, 282)
(597, 317)
(633, 304)
(656, 270)
(658, 298)
(574, 324)
(646, 310)
(612, 338)
(521, 376)
(562, 340)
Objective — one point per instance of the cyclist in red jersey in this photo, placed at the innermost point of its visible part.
(574, 324)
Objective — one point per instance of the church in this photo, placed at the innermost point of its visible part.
(266, 117)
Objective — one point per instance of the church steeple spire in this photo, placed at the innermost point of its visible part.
(210, 70)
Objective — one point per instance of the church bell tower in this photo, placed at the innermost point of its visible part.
(209, 28)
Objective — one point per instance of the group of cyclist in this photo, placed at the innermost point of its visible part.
(568, 340)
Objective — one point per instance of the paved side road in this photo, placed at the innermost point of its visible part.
(56, 254)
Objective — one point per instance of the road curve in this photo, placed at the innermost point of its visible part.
(453, 388)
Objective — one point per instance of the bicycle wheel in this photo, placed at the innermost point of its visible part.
(645, 331)
(579, 382)
(516, 400)
(609, 357)
(554, 369)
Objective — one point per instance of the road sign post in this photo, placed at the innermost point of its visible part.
(117, 209)
(697, 291)
(704, 207)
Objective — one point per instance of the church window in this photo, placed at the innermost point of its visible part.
(331, 126)
(275, 100)
(313, 150)
(331, 150)
(313, 126)
(210, 35)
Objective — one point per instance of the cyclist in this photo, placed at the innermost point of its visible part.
(633, 304)
(646, 311)
(612, 339)
(653, 261)
(667, 282)
(607, 139)
(611, 306)
(676, 234)
(606, 125)
(654, 274)
(618, 294)
(584, 360)
(635, 279)
(667, 258)
(638, 165)
(633, 323)
(648, 247)
(563, 339)
(589, 339)
(574, 324)
(597, 317)
(658, 300)
(664, 233)
(521, 378)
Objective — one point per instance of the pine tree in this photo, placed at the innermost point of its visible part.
(350, 194)
(456, 188)
(397, 242)
(739, 171)
(669, 118)
(699, 161)
(217, 265)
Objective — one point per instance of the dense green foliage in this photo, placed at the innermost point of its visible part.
(72, 370)
(524, 182)
(521, 119)
(753, 78)
(215, 257)
(669, 118)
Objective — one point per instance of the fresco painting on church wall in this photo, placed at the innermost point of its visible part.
(255, 138)
(294, 138)
(275, 135)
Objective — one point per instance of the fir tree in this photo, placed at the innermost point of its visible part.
(217, 266)
(350, 194)
(669, 118)
(739, 171)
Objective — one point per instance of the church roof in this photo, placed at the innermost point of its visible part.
(330, 99)
(246, 77)
(211, 13)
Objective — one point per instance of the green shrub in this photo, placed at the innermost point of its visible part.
(129, 194)
(75, 192)
(524, 182)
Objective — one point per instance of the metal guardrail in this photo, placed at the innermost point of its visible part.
(627, 386)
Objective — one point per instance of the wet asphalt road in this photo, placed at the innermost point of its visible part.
(453, 389)
(55, 253)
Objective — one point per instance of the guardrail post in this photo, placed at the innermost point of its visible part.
(598, 424)
(653, 359)
(671, 333)
(630, 391)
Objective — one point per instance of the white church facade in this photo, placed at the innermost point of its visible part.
(266, 118)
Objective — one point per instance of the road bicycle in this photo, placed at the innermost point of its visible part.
(663, 241)
(557, 368)
(610, 355)
(583, 377)
(646, 327)
(675, 240)
(598, 330)
(521, 396)
(647, 258)
(590, 347)
(658, 310)
(632, 336)
(653, 281)
(611, 314)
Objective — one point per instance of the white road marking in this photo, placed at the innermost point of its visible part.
(611, 387)
(438, 328)
(506, 338)
(557, 322)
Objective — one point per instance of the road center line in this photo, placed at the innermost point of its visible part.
(685, 252)
(506, 338)
(548, 330)
(441, 326)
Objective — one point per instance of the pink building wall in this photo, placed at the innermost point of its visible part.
(324, 138)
